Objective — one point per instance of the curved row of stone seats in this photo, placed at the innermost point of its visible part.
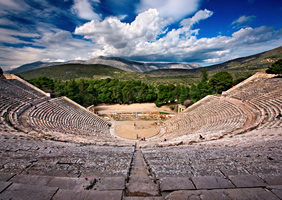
(24, 86)
(255, 86)
(264, 93)
(256, 102)
(61, 113)
(63, 119)
(22, 154)
(7, 104)
(18, 90)
(255, 153)
(271, 108)
(32, 168)
(212, 117)
(14, 92)
(16, 96)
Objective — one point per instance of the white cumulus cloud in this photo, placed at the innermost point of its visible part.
(111, 31)
(147, 39)
(84, 9)
(200, 15)
(177, 9)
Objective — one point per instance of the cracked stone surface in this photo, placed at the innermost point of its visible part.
(227, 194)
(32, 156)
(24, 191)
(63, 194)
(176, 183)
(211, 182)
(240, 155)
(247, 181)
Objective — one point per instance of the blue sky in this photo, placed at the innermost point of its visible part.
(199, 31)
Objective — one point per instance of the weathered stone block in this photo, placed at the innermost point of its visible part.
(24, 191)
(110, 183)
(4, 185)
(31, 180)
(176, 183)
(63, 194)
(272, 179)
(69, 183)
(247, 181)
(5, 177)
(211, 182)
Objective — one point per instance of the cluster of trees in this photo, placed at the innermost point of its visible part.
(275, 68)
(89, 92)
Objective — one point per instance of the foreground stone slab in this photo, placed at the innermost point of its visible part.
(110, 183)
(23, 191)
(223, 194)
(251, 193)
(211, 182)
(141, 186)
(276, 189)
(176, 183)
(63, 194)
(6, 177)
(247, 181)
(198, 195)
(4, 185)
(69, 183)
(143, 198)
(31, 180)
(273, 179)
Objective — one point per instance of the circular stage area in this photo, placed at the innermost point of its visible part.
(138, 128)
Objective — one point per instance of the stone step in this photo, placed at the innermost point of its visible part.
(24, 191)
(63, 194)
(143, 198)
(224, 194)
(140, 184)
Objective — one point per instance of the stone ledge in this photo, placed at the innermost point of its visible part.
(176, 183)
(223, 194)
(63, 194)
(211, 182)
(23, 191)
(248, 181)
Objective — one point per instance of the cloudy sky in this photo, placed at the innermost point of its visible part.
(199, 31)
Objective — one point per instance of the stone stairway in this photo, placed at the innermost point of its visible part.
(141, 183)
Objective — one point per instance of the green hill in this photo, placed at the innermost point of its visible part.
(238, 67)
(77, 71)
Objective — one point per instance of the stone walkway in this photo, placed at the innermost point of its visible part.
(141, 182)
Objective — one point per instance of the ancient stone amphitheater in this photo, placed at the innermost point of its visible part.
(227, 147)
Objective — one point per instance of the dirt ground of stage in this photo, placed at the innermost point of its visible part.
(134, 129)
(136, 107)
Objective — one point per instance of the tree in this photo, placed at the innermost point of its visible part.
(72, 91)
(195, 92)
(221, 81)
(275, 68)
(204, 75)
(184, 94)
(1, 71)
(204, 89)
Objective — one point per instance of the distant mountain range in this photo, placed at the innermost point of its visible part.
(123, 64)
(253, 62)
(258, 61)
